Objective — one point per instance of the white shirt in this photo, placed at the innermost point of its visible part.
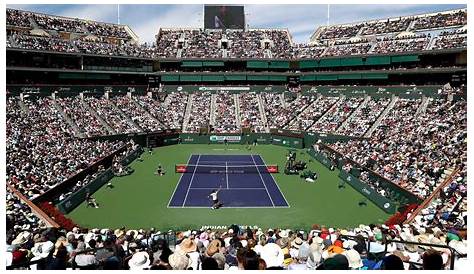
(214, 196)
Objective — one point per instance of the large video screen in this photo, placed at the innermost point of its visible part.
(224, 17)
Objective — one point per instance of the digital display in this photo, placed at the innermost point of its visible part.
(224, 17)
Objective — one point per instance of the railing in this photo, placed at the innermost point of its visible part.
(40, 213)
(431, 197)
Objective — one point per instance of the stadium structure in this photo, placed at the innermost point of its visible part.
(113, 146)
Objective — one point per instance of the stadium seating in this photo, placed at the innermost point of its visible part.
(409, 139)
(401, 34)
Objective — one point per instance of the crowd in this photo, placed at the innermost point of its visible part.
(364, 117)
(312, 113)
(75, 110)
(41, 152)
(387, 26)
(65, 24)
(240, 248)
(402, 44)
(137, 113)
(42, 43)
(348, 49)
(450, 41)
(280, 111)
(335, 116)
(110, 114)
(225, 113)
(200, 44)
(200, 112)
(18, 18)
(414, 150)
(170, 111)
(441, 20)
(250, 116)
(254, 43)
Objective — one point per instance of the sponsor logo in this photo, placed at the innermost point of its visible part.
(215, 138)
(188, 140)
(30, 89)
(224, 88)
(366, 191)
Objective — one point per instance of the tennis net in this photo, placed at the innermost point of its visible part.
(226, 169)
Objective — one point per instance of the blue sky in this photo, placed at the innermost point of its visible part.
(301, 20)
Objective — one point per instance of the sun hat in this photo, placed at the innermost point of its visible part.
(353, 257)
(22, 238)
(42, 249)
(119, 233)
(272, 254)
(459, 246)
(283, 234)
(178, 261)
(188, 245)
(139, 260)
(297, 243)
(283, 242)
(213, 247)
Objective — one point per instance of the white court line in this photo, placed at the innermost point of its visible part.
(261, 178)
(230, 207)
(226, 176)
(190, 183)
(275, 182)
(237, 188)
(176, 187)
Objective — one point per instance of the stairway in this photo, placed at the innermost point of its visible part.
(372, 48)
(261, 109)
(147, 112)
(362, 105)
(212, 115)
(77, 131)
(423, 106)
(129, 120)
(381, 117)
(101, 121)
(237, 109)
(308, 107)
(282, 99)
(431, 43)
(23, 107)
(187, 112)
(341, 98)
(446, 178)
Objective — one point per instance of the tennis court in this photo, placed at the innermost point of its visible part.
(244, 180)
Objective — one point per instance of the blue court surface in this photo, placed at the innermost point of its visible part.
(243, 179)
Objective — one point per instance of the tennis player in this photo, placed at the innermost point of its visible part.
(215, 200)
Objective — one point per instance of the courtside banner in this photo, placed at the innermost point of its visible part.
(220, 138)
(224, 88)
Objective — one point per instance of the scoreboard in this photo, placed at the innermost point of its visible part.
(224, 17)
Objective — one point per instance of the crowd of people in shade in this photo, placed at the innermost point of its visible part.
(225, 117)
(64, 24)
(41, 150)
(238, 248)
(313, 112)
(414, 149)
(250, 114)
(377, 37)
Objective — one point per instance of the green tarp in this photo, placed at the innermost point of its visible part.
(257, 64)
(377, 60)
(191, 64)
(405, 58)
